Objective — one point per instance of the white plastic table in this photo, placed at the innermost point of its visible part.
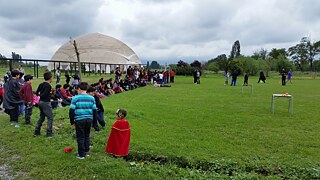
(288, 96)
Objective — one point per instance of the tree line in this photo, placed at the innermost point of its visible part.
(303, 56)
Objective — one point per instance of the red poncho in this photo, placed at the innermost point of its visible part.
(119, 139)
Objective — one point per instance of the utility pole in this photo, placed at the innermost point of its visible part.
(78, 57)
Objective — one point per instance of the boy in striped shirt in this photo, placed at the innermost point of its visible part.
(82, 112)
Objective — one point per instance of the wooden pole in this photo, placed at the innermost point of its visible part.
(78, 57)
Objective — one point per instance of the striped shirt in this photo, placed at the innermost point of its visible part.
(83, 105)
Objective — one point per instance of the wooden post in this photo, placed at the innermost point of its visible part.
(78, 57)
(34, 68)
(37, 69)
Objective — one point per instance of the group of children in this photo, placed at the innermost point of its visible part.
(85, 111)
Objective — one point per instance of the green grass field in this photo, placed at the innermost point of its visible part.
(186, 131)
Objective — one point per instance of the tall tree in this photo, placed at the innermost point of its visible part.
(155, 65)
(196, 64)
(3, 59)
(262, 53)
(14, 56)
(222, 61)
(275, 53)
(304, 52)
(315, 51)
(235, 51)
(182, 64)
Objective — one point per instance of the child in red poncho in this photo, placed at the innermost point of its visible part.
(119, 139)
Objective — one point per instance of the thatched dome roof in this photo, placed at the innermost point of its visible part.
(96, 48)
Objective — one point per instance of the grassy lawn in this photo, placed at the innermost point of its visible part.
(186, 131)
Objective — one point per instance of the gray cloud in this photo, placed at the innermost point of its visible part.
(25, 20)
(163, 29)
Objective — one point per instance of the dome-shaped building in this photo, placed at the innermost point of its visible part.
(97, 52)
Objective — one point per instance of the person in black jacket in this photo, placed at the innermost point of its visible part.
(283, 77)
(100, 110)
(246, 78)
(11, 98)
(196, 76)
(45, 107)
(67, 75)
(262, 77)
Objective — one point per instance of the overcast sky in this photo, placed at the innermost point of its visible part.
(162, 30)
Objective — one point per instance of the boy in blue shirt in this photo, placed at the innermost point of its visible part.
(82, 112)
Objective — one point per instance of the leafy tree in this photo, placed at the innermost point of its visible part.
(316, 49)
(196, 64)
(15, 56)
(182, 64)
(275, 53)
(303, 53)
(3, 59)
(184, 70)
(213, 66)
(262, 53)
(155, 65)
(223, 62)
(283, 63)
(235, 51)
(244, 64)
(316, 65)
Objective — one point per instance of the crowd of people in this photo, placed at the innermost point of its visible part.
(86, 109)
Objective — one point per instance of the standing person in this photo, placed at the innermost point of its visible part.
(82, 112)
(165, 76)
(118, 74)
(119, 139)
(57, 74)
(26, 95)
(234, 76)
(21, 70)
(100, 110)
(246, 78)
(160, 75)
(196, 76)
(227, 75)
(22, 106)
(11, 98)
(130, 72)
(76, 80)
(262, 77)
(289, 76)
(283, 77)
(44, 90)
(1, 93)
(67, 75)
(172, 73)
